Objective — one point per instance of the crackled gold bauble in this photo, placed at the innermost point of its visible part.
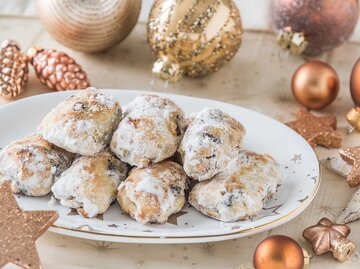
(193, 38)
(311, 27)
(89, 25)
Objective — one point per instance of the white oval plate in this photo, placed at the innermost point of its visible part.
(298, 163)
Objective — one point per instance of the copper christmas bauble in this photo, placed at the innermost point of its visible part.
(355, 83)
(278, 252)
(89, 25)
(192, 37)
(315, 84)
(312, 27)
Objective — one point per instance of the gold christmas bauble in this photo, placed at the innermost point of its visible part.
(89, 25)
(279, 252)
(193, 38)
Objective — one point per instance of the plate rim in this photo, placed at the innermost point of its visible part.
(103, 236)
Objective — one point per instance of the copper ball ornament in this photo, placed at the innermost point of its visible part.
(315, 84)
(278, 252)
(355, 83)
(190, 38)
(313, 27)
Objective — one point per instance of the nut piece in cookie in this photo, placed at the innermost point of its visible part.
(90, 184)
(83, 123)
(152, 194)
(150, 131)
(240, 191)
(211, 141)
(32, 164)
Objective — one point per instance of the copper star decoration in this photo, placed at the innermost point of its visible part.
(316, 130)
(327, 236)
(19, 230)
(352, 157)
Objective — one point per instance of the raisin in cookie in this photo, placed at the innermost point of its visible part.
(210, 142)
(32, 164)
(90, 184)
(152, 194)
(240, 191)
(83, 123)
(150, 131)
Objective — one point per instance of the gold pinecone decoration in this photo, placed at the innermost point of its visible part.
(57, 70)
(14, 70)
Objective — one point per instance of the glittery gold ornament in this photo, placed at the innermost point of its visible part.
(57, 70)
(327, 236)
(280, 252)
(193, 38)
(13, 70)
(19, 231)
(311, 27)
(89, 25)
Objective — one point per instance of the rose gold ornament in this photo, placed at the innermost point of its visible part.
(193, 38)
(13, 70)
(327, 236)
(57, 70)
(315, 84)
(312, 27)
(19, 231)
(89, 25)
(316, 130)
(280, 252)
(353, 116)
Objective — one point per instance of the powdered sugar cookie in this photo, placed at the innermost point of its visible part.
(83, 123)
(32, 164)
(240, 191)
(90, 184)
(210, 142)
(152, 194)
(150, 131)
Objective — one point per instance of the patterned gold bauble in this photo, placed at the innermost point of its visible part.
(57, 70)
(192, 37)
(89, 25)
(13, 70)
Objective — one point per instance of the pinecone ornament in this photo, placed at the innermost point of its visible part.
(14, 70)
(57, 70)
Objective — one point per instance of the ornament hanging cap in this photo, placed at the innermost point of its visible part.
(293, 41)
(167, 69)
(10, 43)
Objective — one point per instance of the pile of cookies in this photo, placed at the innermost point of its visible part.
(88, 152)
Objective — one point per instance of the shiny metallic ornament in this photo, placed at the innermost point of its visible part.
(327, 236)
(315, 84)
(13, 70)
(280, 252)
(353, 116)
(57, 70)
(193, 38)
(89, 25)
(312, 27)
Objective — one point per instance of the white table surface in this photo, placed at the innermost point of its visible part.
(257, 78)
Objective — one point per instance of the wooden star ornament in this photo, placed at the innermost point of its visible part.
(352, 157)
(327, 236)
(316, 130)
(19, 230)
